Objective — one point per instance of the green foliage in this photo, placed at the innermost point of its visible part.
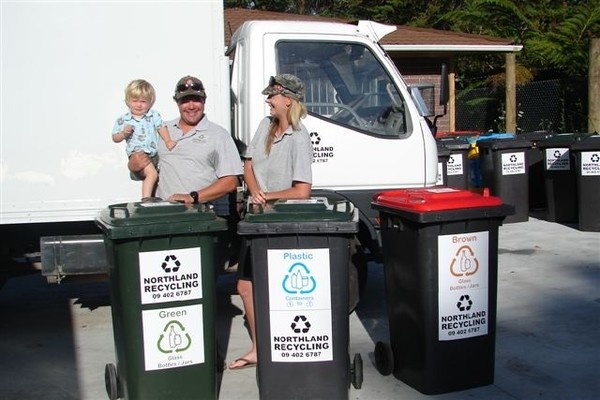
(555, 35)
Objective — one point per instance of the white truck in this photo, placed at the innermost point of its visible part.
(65, 66)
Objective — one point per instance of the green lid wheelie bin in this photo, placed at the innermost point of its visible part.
(440, 251)
(162, 288)
(300, 255)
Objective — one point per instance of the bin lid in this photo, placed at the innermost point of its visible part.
(563, 139)
(587, 143)
(505, 143)
(443, 151)
(132, 220)
(314, 215)
(454, 143)
(440, 203)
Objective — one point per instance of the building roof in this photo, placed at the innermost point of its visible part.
(405, 38)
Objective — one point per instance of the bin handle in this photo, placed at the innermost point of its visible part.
(121, 208)
(347, 206)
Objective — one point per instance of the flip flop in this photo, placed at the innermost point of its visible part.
(245, 363)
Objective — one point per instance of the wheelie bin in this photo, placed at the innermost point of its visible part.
(443, 157)
(457, 166)
(559, 178)
(300, 255)
(440, 250)
(535, 164)
(505, 172)
(162, 289)
(586, 154)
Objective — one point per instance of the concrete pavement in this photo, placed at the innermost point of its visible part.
(56, 339)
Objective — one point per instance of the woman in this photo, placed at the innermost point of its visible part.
(277, 166)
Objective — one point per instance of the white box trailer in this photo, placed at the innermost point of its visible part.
(64, 69)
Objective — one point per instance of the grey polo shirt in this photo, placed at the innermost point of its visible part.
(290, 158)
(203, 155)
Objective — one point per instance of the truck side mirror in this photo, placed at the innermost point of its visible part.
(444, 84)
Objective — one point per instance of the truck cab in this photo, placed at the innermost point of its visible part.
(366, 130)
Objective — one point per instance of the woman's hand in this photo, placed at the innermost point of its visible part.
(259, 197)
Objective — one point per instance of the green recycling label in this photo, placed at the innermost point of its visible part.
(173, 337)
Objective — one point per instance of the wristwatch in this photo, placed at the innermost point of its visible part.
(194, 195)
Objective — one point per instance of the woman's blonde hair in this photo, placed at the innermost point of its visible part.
(295, 112)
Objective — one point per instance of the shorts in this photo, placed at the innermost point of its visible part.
(139, 176)
(244, 271)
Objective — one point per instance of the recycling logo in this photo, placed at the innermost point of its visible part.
(299, 280)
(300, 324)
(174, 338)
(595, 158)
(513, 158)
(464, 262)
(315, 138)
(171, 264)
(464, 303)
(557, 154)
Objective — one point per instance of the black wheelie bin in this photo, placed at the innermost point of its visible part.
(505, 171)
(440, 249)
(586, 154)
(300, 255)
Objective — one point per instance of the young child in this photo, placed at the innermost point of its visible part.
(140, 128)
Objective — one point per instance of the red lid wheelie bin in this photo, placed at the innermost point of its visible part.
(440, 249)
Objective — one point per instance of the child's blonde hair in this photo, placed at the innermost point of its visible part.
(141, 89)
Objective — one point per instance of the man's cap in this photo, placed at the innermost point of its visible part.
(287, 85)
(189, 86)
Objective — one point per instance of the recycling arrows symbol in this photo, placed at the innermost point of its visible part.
(300, 320)
(170, 260)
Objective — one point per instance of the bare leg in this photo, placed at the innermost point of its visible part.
(245, 290)
(150, 178)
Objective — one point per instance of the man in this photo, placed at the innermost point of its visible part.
(205, 164)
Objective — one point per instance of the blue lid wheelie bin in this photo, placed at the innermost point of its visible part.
(440, 249)
(300, 255)
(162, 288)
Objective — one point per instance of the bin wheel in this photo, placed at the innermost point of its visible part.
(356, 372)
(384, 358)
(111, 381)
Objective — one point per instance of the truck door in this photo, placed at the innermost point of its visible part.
(365, 134)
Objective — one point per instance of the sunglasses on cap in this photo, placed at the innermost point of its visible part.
(194, 86)
(273, 83)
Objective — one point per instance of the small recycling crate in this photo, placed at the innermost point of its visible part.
(440, 249)
(162, 285)
(300, 254)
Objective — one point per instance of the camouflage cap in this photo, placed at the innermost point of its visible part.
(287, 85)
(189, 86)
